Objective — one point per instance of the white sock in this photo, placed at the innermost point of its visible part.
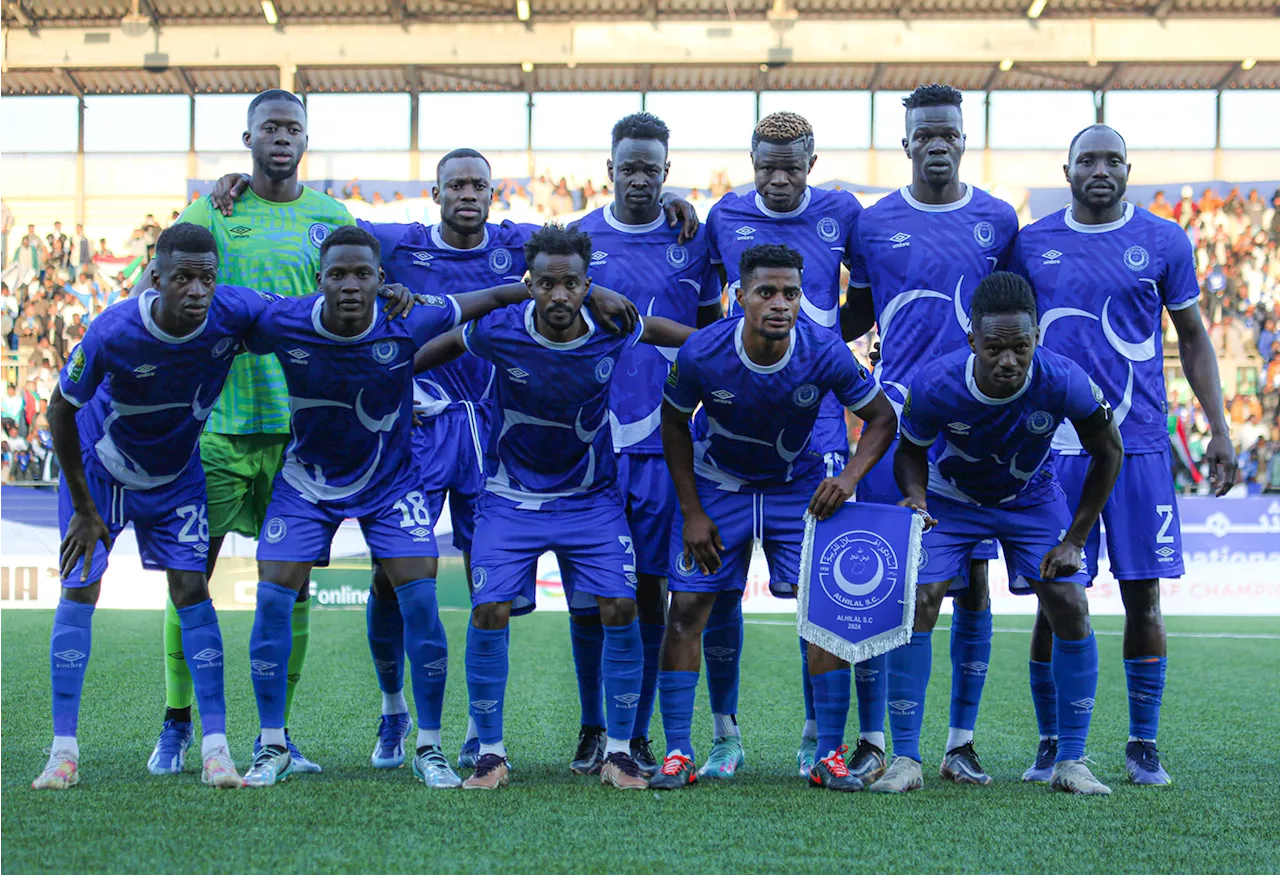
(428, 737)
(810, 730)
(615, 745)
(958, 737)
(273, 736)
(876, 738)
(1135, 738)
(1055, 738)
(500, 749)
(727, 724)
(66, 743)
(472, 731)
(394, 703)
(212, 742)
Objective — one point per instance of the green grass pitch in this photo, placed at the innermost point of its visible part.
(1221, 714)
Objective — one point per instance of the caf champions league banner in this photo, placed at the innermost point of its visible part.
(1231, 548)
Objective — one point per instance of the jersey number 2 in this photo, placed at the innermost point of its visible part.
(1166, 514)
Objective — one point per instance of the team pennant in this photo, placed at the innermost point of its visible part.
(858, 570)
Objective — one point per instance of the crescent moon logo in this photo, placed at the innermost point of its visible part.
(604, 369)
(275, 530)
(1136, 258)
(805, 395)
(984, 233)
(855, 589)
(1142, 351)
(499, 260)
(828, 229)
(961, 316)
(859, 570)
(901, 301)
(677, 256)
(384, 351)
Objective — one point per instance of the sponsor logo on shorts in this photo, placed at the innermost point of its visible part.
(384, 351)
(805, 395)
(317, 233)
(677, 256)
(1166, 554)
(484, 706)
(479, 577)
(1136, 258)
(75, 370)
(828, 229)
(604, 369)
(275, 530)
(420, 533)
(984, 233)
(500, 261)
(903, 706)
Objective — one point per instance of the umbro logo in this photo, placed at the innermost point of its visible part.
(746, 232)
(69, 655)
(903, 706)
(864, 674)
(419, 533)
(385, 665)
(1165, 552)
(900, 240)
(598, 257)
(240, 231)
(724, 396)
(719, 654)
(484, 706)
(1053, 256)
(1142, 697)
(959, 427)
(627, 700)
(422, 259)
(207, 655)
(144, 371)
(519, 374)
(974, 667)
(202, 549)
(1082, 705)
(437, 666)
(261, 666)
(298, 356)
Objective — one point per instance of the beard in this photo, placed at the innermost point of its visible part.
(1082, 195)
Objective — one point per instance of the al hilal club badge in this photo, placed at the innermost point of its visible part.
(858, 567)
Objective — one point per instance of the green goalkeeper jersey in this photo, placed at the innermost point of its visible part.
(273, 247)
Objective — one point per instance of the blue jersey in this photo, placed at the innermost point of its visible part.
(144, 395)
(821, 229)
(662, 277)
(753, 431)
(1100, 291)
(350, 398)
(550, 438)
(416, 257)
(993, 450)
(932, 257)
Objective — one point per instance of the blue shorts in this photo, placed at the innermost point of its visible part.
(1026, 533)
(170, 522)
(776, 519)
(449, 451)
(1144, 533)
(650, 499)
(591, 543)
(880, 487)
(298, 530)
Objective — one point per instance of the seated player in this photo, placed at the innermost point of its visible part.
(551, 486)
(990, 477)
(126, 417)
(748, 471)
(350, 380)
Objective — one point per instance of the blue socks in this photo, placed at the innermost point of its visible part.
(1144, 677)
(487, 680)
(678, 689)
(722, 647)
(269, 646)
(426, 647)
(970, 653)
(831, 701)
(588, 645)
(1044, 696)
(909, 667)
(68, 659)
(202, 645)
(806, 683)
(1075, 673)
(651, 640)
(872, 681)
(623, 668)
(386, 642)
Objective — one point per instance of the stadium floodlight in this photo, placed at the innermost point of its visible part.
(522, 10)
(1248, 64)
(1037, 6)
(527, 66)
(1006, 65)
(269, 12)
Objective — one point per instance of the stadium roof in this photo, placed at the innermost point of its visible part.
(96, 13)
(655, 77)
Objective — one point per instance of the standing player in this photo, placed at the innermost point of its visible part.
(638, 254)
(270, 241)
(1103, 271)
(818, 224)
(968, 419)
(921, 251)
(750, 470)
(350, 384)
(551, 485)
(126, 417)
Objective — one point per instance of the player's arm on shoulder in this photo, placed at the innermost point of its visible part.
(1201, 367)
(86, 527)
(680, 212)
(440, 350)
(473, 305)
(227, 190)
(664, 332)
